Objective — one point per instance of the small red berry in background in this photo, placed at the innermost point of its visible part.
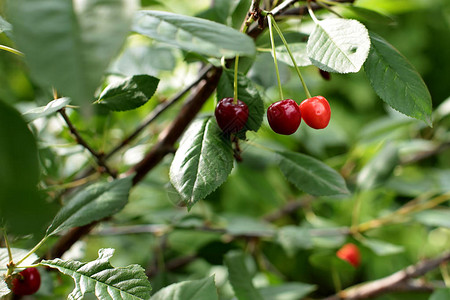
(231, 116)
(316, 112)
(350, 252)
(284, 116)
(26, 282)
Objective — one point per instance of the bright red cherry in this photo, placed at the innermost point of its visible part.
(284, 116)
(26, 282)
(316, 112)
(231, 116)
(350, 253)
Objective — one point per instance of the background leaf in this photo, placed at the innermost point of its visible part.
(95, 202)
(240, 277)
(102, 279)
(5, 26)
(298, 51)
(129, 93)
(396, 81)
(370, 15)
(17, 255)
(4, 290)
(202, 289)
(247, 93)
(434, 217)
(311, 175)
(382, 248)
(293, 238)
(287, 291)
(79, 37)
(43, 111)
(193, 34)
(379, 169)
(22, 208)
(441, 294)
(338, 45)
(202, 162)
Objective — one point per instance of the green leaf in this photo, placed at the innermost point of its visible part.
(102, 279)
(440, 294)
(43, 111)
(240, 277)
(193, 34)
(202, 162)
(298, 51)
(68, 44)
(370, 15)
(379, 169)
(4, 290)
(396, 81)
(382, 248)
(338, 45)
(293, 238)
(129, 93)
(434, 217)
(5, 26)
(287, 291)
(22, 208)
(95, 202)
(17, 255)
(311, 175)
(247, 93)
(203, 289)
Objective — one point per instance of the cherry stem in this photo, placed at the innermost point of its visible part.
(336, 279)
(308, 94)
(38, 245)
(235, 85)
(5, 236)
(311, 12)
(270, 19)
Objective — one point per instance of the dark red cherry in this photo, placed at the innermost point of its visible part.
(284, 116)
(316, 112)
(231, 116)
(26, 282)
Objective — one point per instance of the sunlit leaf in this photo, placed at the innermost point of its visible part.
(203, 289)
(93, 203)
(396, 81)
(129, 93)
(43, 111)
(434, 217)
(17, 255)
(102, 279)
(193, 34)
(338, 45)
(202, 162)
(382, 248)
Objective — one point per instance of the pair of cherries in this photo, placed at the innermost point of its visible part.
(284, 116)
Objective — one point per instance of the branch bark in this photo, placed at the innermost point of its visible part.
(401, 280)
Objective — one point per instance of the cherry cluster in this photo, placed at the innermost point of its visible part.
(26, 282)
(284, 116)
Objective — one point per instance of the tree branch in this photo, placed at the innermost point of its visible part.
(99, 158)
(169, 136)
(398, 281)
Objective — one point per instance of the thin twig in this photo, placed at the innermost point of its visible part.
(392, 282)
(157, 112)
(79, 139)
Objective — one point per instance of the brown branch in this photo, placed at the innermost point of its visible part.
(172, 133)
(99, 158)
(157, 112)
(396, 282)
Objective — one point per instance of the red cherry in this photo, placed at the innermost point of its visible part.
(231, 116)
(316, 112)
(26, 282)
(350, 253)
(284, 116)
